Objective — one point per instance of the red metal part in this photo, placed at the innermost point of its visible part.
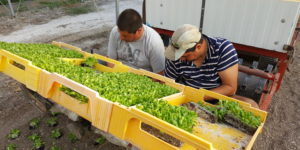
(265, 98)
(163, 31)
(282, 57)
(296, 33)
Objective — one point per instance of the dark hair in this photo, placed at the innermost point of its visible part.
(129, 20)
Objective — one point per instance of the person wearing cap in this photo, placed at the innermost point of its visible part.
(136, 44)
(200, 61)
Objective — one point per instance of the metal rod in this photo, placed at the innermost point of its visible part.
(256, 72)
(117, 9)
(202, 16)
(11, 8)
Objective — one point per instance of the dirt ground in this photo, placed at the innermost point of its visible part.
(281, 131)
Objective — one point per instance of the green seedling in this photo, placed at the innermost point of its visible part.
(74, 94)
(14, 133)
(54, 114)
(176, 115)
(52, 121)
(233, 108)
(34, 123)
(89, 62)
(54, 147)
(72, 137)
(126, 88)
(100, 140)
(34, 137)
(38, 144)
(56, 134)
(11, 147)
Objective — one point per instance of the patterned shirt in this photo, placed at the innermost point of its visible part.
(220, 55)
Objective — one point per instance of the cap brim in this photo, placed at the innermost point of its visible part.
(170, 53)
(179, 53)
(173, 54)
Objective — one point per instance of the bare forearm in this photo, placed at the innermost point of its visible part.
(110, 65)
(224, 90)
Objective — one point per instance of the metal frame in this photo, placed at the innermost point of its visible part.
(274, 80)
(117, 8)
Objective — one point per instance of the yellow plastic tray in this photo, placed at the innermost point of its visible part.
(97, 110)
(20, 69)
(126, 122)
(118, 66)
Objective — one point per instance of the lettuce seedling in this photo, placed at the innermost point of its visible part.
(100, 140)
(72, 137)
(89, 62)
(11, 147)
(52, 121)
(34, 123)
(56, 133)
(14, 133)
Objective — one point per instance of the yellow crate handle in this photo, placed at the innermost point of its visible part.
(176, 132)
(15, 58)
(29, 75)
(55, 78)
(117, 64)
(100, 107)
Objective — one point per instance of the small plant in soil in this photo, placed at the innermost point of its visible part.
(34, 137)
(99, 140)
(51, 122)
(14, 133)
(54, 147)
(54, 114)
(56, 133)
(38, 144)
(34, 123)
(11, 147)
(72, 137)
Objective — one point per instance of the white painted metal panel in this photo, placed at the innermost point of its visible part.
(169, 14)
(267, 24)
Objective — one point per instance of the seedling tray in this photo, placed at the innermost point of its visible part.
(125, 122)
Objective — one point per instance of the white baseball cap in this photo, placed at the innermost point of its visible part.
(184, 38)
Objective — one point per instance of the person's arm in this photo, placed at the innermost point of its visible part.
(227, 69)
(229, 81)
(157, 54)
(112, 46)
